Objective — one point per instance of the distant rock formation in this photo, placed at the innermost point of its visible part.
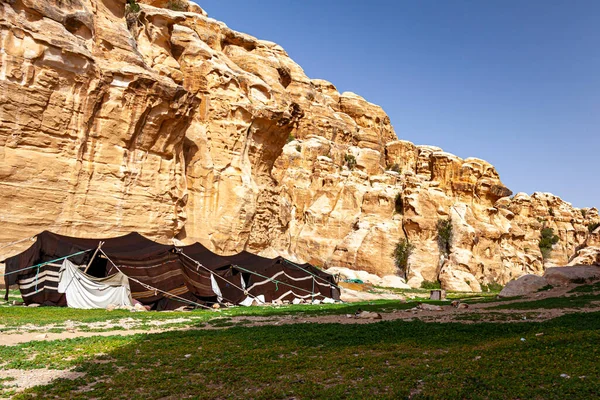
(171, 124)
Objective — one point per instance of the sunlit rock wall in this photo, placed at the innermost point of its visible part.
(171, 124)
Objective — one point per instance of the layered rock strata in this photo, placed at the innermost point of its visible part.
(171, 124)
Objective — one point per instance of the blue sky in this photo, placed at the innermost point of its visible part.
(516, 83)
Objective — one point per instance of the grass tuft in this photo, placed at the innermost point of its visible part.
(329, 361)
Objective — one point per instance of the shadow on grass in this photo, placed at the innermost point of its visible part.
(381, 360)
(576, 301)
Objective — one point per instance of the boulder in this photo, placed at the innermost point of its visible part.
(138, 307)
(558, 276)
(367, 315)
(394, 281)
(524, 285)
(458, 281)
(429, 307)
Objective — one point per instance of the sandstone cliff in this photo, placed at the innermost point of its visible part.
(171, 124)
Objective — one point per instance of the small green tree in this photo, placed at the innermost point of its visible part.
(132, 6)
(290, 138)
(491, 287)
(395, 167)
(176, 5)
(401, 253)
(444, 235)
(592, 226)
(350, 161)
(547, 240)
(431, 285)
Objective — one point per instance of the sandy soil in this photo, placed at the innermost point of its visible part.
(17, 338)
(26, 379)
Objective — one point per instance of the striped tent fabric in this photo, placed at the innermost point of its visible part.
(327, 285)
(140, 258)
(152, 266)
(164, 276)
(41, 286)
(199, 263)
(278, 279)
(245, 274)
(282, 281)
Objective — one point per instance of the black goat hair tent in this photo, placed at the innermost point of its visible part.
(246, 274)
(280, 279)
(164, 276)
(139, 258)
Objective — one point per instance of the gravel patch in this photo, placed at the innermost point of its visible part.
(24, 379)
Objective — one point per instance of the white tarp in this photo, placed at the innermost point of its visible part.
(85, 291)
(215, 287)
(248, 301)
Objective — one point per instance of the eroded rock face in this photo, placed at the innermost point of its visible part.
(588, 253)
(171, 124)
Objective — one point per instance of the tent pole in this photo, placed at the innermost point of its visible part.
(93, 256)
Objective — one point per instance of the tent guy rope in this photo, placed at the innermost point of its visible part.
(198, 264)
(46, 262)
(38, 266)
(308, 272)
(16, 242)
(153, 288)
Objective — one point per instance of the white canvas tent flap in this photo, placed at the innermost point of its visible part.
(216, 288)
(85, 291)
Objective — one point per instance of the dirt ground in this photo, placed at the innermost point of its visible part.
(23, 379)
(474, 313)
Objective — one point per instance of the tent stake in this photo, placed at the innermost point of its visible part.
(93, 256)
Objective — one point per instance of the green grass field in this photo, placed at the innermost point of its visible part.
(330, 361)
(575, 301)
(510, 358)
(57, 319)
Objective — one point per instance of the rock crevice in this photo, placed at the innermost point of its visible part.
(171, 124)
